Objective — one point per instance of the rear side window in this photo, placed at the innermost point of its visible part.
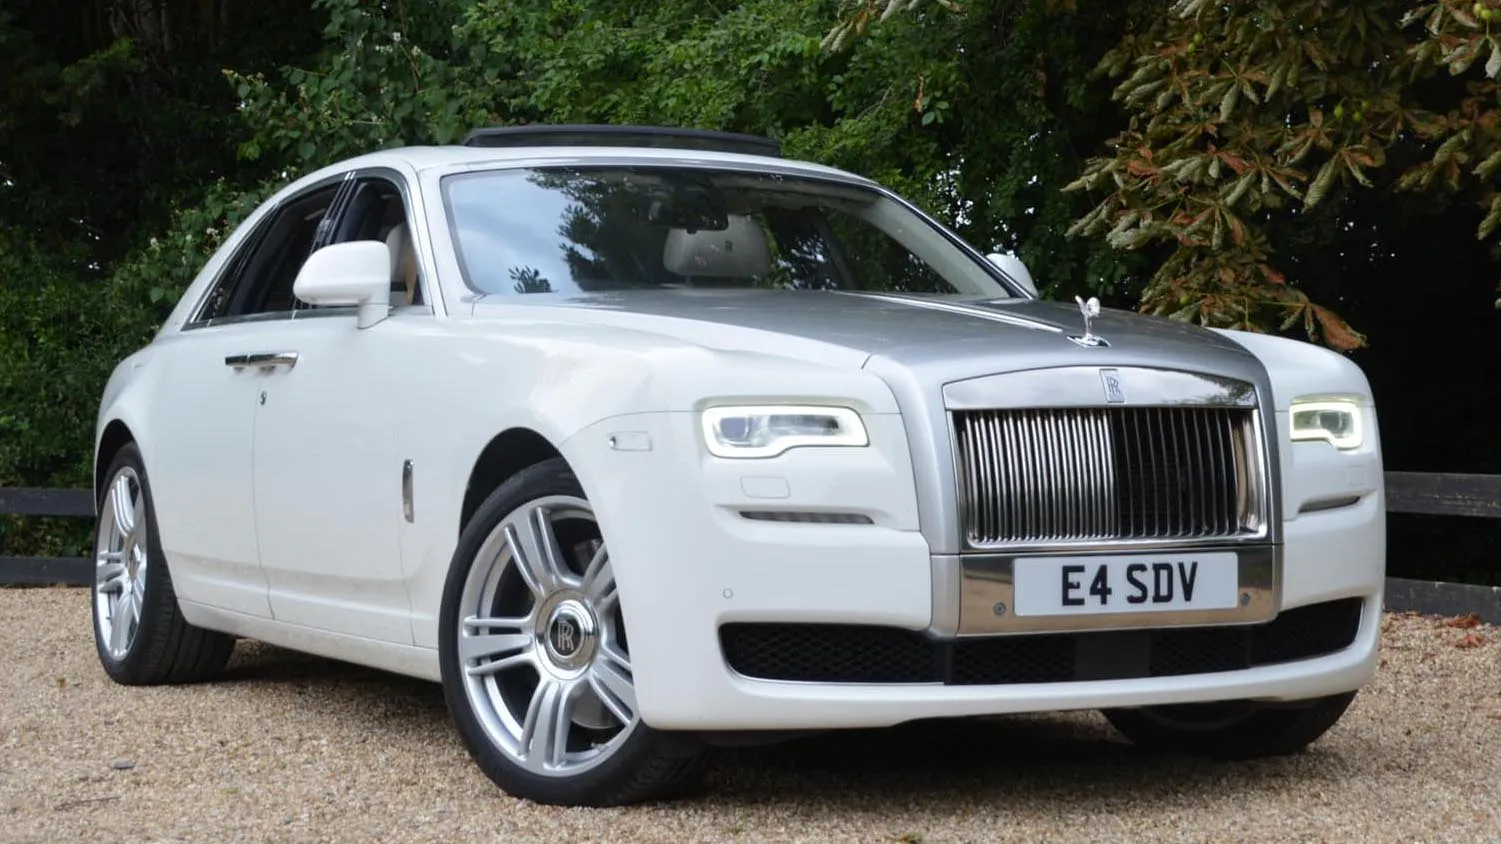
(258, 278)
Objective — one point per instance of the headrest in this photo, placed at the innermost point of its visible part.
(738, 251)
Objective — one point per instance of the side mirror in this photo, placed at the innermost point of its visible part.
(354, 273)
(1013, 267)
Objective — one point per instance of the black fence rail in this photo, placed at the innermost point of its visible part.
(42, 571)
(1424, 493)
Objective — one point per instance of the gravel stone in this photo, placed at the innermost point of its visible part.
(294, 748)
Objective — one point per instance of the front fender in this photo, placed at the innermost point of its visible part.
(1315, 475)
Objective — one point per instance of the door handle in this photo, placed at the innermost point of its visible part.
(265, 359)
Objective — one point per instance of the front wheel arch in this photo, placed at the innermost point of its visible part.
(505, 455)
(642, 764)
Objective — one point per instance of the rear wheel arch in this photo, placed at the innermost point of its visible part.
(115, 437)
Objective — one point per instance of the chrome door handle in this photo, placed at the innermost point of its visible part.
(266, 359)
(272, 359)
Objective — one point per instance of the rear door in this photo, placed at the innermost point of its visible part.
(203, 420)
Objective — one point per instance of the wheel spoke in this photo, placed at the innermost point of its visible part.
(598, 568)
(614, 689)
(138, 519)
(609, 651)
(125, 520)
(120, 622)
(546, 541)
(491, 645)
(110, 576)
(502, 650)
(544, 734)
(535, 550)
(599, 584)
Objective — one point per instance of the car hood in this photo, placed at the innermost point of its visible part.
(954, 338)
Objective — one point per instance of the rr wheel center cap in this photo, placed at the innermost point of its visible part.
(571, 636)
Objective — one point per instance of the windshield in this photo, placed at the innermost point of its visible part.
(596, 229)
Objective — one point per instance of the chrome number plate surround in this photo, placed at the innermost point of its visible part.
(987, 593)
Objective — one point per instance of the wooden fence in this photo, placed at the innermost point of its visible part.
(1476, 496)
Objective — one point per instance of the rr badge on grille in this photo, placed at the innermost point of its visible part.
(1115, 392)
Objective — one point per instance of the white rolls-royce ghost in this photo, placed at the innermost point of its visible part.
(642, 440)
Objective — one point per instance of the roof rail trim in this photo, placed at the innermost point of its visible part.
(589, 134)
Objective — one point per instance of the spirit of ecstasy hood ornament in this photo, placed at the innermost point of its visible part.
(1090, 310)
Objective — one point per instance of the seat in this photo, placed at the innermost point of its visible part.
(736, 255)
(404, 289)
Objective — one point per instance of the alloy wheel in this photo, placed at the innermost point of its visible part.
(120, 563)
(541, 643)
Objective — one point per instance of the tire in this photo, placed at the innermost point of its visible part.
(1233, 730)
(139, 632)
(555, 646)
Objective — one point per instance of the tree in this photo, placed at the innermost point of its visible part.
(1254, 119)
(1250, 124)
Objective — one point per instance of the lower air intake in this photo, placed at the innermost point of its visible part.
(838, 653)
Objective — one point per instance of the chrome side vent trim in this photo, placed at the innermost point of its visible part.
(806, 517)
(1108, 473)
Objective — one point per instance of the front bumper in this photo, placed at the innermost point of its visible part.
(688, 562)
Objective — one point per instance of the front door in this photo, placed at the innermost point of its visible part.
(328, 475)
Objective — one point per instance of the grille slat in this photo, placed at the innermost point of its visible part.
(1082, 474)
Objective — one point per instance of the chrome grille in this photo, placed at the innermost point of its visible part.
(1107, 473)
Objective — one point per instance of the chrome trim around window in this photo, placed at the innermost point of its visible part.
(987, 596)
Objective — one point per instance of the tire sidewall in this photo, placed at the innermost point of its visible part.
(550, 477)
(1263, 731)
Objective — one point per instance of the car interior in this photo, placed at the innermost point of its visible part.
(376, 212)
(737, 256)
(260, 278)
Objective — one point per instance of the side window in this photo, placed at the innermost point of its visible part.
(377, 211)
(258, 280)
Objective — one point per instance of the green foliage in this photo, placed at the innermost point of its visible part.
(149, 281)
(389, 75)
(58, 341)
(1254, 164)
(978, 117)
(110, 115)
(1251, 123)
(112, 131)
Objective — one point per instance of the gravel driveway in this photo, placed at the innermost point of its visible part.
(291, 748)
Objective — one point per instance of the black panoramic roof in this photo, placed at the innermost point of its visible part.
(594, 135)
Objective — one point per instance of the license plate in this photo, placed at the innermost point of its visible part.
(1126, 584)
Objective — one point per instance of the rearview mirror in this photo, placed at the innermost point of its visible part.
(1013, 267)
(355, 273)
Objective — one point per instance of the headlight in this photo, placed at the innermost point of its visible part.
(1335, 421)
(766, 431)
